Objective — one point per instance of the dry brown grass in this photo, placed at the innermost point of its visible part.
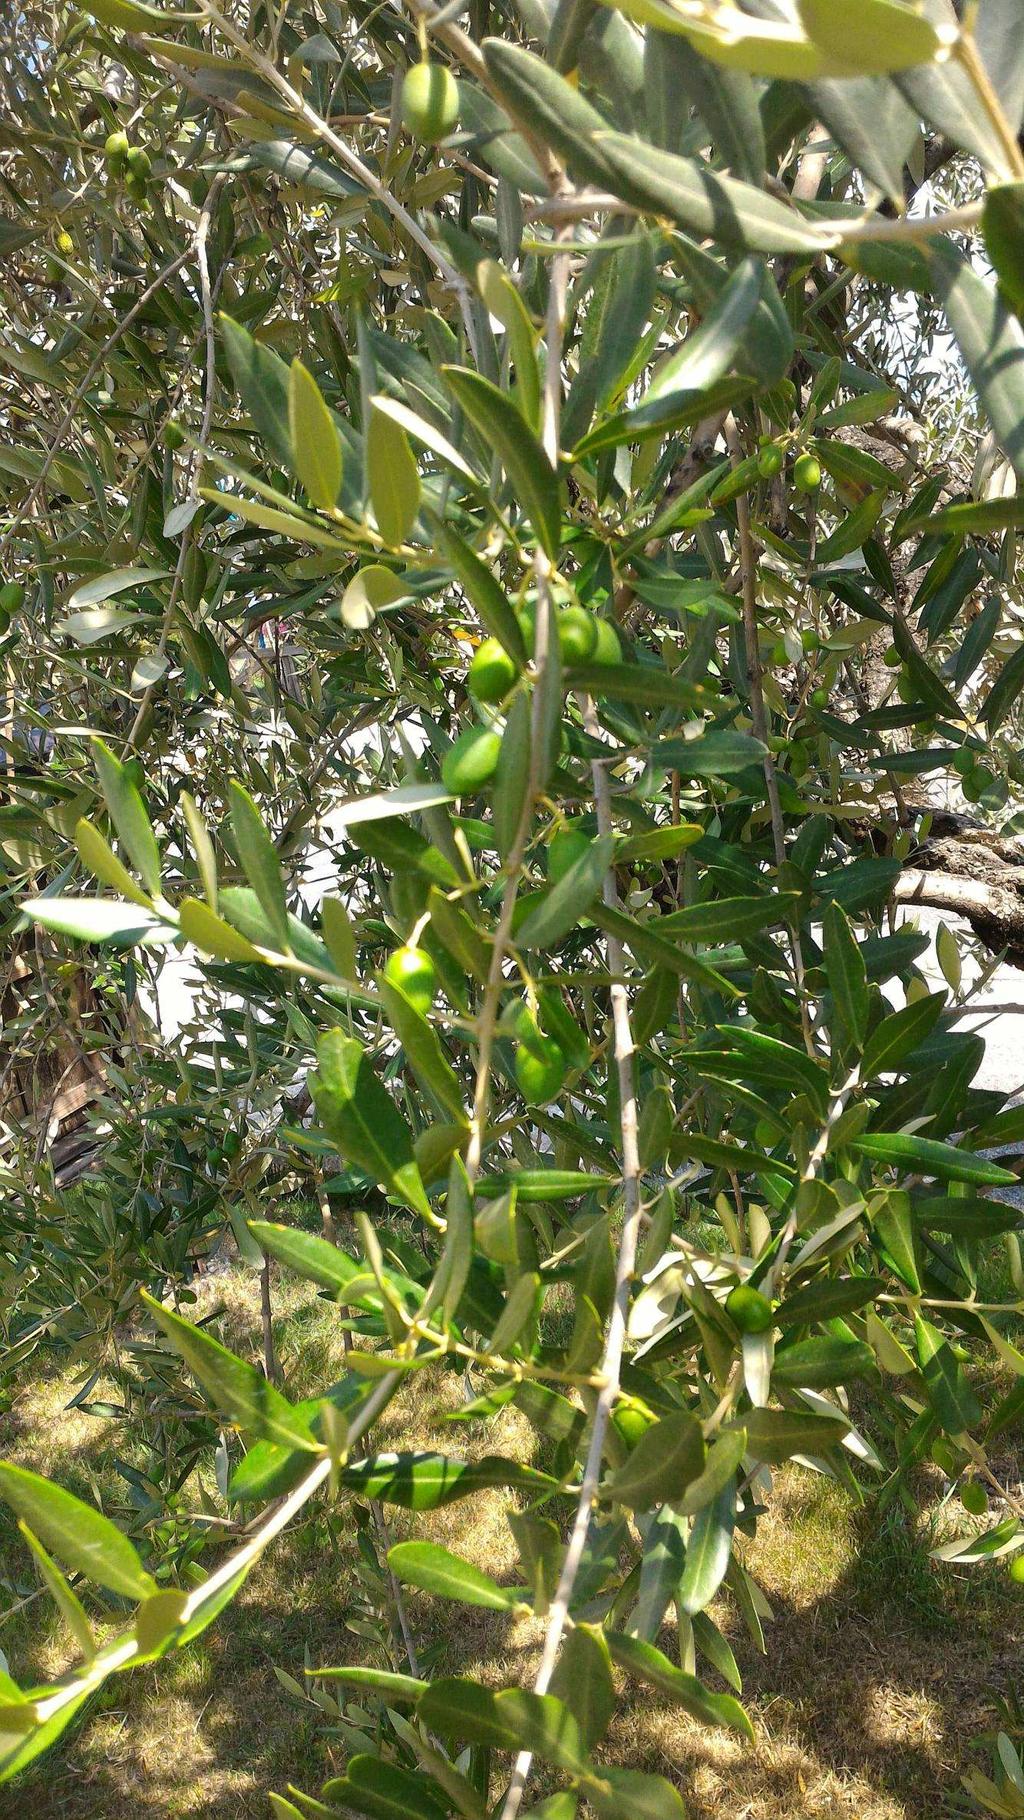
(880, 1669)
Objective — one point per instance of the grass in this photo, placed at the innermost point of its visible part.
(882, 1665)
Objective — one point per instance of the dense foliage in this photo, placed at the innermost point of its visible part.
(471, 456)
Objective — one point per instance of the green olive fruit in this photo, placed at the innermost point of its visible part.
(974, 1498)
(5, 623)
(819, 698)
(978, 780)
(64, 244)
(631, 1422)
(807, 473)
(12, 596)
(115, 150)
(232, 1145)
(138, 161)
(748, 1309)
(174, 434)
(566, 848)
(769, 461)
(891, 658)
(492, 672)
(608, 649)
(137, 188)
(963, 761)
(577, 635)
(413, 972)
(527, 621)
(809, 639)
(430, 102)
(1016, 1570)
(540, 1070)
(472, 761)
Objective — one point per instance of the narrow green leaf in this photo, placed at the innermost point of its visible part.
(239, 1389)
(561, 907)
(212, 935)
(991, 341)
(315, 447)
(650, 1665)
(79, 1535)
(262, 382)
(926, 1156)
(664, 1462)
(393, 478)
(708, 1551)
(436, 1570)
(128, 814)
(66, 1599)
(360, 1117)
(954, 1402)
(899, 1034)
(484, 591)
(583, 1681)
(258, 855)
(385, 1791)
(775, 1435)
(521, 455)
(847, 974)
(512, 1720)
(878, 37)
(423, 1049)
(104, 864)
(92, 919)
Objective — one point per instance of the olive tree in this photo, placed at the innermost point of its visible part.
(478, 445)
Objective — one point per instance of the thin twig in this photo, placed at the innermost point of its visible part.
(611, 1364)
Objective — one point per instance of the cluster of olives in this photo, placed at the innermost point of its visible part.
(12, 599)
(225, 1153)
(430, 102)
(131, 163)
(582, 639)
(806, 467)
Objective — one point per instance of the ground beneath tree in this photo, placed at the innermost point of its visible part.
(882, 1665)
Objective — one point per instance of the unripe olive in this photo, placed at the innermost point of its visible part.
(232, 1145)
(413, 972)
(430, 102)
(540, 1070)
(115, 151)
(12, 596)
(492, 672)
(1016, 1570)
(472, 761)
(174, 434)
(577, 635)
(807, 473)
(769, 460)
(891, 658)
(974, 1498)
(566, 848)
(64, 244)
(748, 1309)
(607, 649)
(138, 161)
